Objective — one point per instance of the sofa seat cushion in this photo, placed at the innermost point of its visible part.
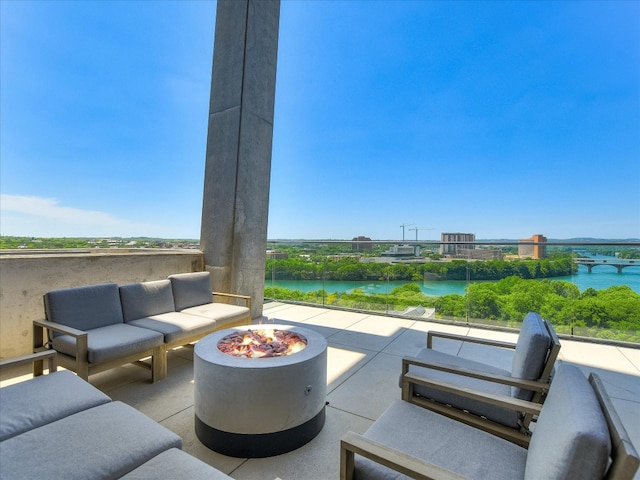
(191, 289)
(84, 308)
(571, 438)
(223, 313)
(176, 326)
(111, 342)
(145, 299)
(438, 439)
(45, 399)
(175, 463)
(498, 414)
(103, 442)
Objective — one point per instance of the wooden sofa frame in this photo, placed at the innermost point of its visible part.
(157, 363)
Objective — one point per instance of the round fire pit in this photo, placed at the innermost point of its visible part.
(259, 407)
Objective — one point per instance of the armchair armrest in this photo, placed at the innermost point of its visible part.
(49, 355)
(352, 443)
(500, 400)
(465, 338)
(532, 385)
(246, 298)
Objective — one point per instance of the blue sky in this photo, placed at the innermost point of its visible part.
(502, 119)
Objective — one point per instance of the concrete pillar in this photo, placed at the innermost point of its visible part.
(238, 157)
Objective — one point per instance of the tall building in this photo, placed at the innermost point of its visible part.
(361, 246)
(536, 250)
(452, 242)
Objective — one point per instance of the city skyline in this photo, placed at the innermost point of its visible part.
(504, 119)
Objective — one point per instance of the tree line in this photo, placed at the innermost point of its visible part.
(351, 269)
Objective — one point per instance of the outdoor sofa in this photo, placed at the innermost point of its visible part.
(98, 327)
(60, 426)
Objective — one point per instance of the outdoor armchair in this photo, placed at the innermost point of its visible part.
(578, 435)
(465, 389)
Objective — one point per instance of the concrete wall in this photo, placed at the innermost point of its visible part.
(26, 277)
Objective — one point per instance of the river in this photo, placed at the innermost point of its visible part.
(602, 277)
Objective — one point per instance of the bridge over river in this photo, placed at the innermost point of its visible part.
(615, 262)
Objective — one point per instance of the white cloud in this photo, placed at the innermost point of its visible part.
(23, 215)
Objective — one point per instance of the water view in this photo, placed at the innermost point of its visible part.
(602, 277)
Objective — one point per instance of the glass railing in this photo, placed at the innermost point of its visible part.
(586, 289)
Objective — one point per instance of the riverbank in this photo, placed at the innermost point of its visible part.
(601, 278)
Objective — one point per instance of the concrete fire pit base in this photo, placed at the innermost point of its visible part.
(259, 407)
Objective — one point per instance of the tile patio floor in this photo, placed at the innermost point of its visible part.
(364, 360)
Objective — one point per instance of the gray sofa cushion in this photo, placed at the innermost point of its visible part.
(223, 313)
(145, 299)
(175, 463)
(84, 308)
(112, 341)
(45, 399)
(530, 354)
(571, 438)
(498, 414)
(103, 442)
(438, 439)
(190, 289)
(176, 326)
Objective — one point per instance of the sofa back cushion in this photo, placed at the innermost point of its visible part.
(191, 289)
(140, 300)
(571, 438)
(86, 307)
(530, 354)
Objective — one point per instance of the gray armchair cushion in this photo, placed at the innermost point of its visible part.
(498, 414)
(176, 463)
(571, 438)
(145, 299)
(176, 325)
(530, 354)
(445, 442)
(103, 442)
(45, 399)
(84, 308)
(191, 289)
(112, 341)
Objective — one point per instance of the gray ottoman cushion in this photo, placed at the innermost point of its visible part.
(112, 341)
(45, 399)
(190, 289)
(530, 353)
(176, 325)
(103, 442)
(84, 308)
(175, 463)
(571, 438)
(498, 414)
(442, 441)
(145, 299)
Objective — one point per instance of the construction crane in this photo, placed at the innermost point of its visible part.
(405, 225)
(416, 230)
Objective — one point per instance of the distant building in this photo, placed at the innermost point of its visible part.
(479, 253)
(361, 246)
(277, 255)
(401, 251)
(536, 250)
(452, 242)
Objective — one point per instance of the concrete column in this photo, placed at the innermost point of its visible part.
(238, 157)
